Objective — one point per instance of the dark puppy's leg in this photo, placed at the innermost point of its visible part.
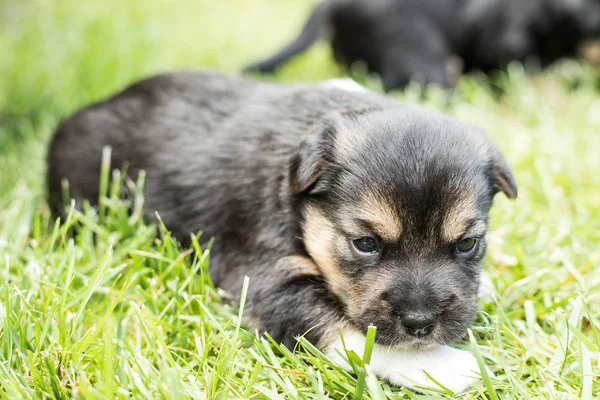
(291, 300)
(315, 27)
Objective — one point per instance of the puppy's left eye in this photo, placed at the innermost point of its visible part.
(365, 244)
(466, 246)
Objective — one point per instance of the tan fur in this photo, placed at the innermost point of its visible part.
(319, 236)
(457, 218)
(251, 322)
(297, 266)
(590, 51)
(366, 294)
(382, 215)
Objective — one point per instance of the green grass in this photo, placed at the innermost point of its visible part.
(97, 307)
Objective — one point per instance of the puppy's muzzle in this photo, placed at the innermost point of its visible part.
(418, 309)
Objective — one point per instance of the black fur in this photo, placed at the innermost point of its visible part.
(243, 161)
(413, 39)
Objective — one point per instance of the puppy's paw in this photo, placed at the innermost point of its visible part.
(452, 368)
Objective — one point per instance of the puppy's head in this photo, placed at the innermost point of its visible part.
(395, 213)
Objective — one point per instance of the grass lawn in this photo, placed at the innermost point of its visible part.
(97, 307)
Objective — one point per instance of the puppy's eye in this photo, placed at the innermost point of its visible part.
(466, 246)
(365, 244)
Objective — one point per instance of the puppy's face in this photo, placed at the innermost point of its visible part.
(395, 214)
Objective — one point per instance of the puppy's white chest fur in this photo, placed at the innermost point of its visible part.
(453, 368)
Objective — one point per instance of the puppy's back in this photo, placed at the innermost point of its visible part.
(131, 124)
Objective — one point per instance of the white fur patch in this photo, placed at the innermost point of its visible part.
(453, 368)
(346, 84)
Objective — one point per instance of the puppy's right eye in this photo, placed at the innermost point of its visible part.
(466, 246)
(365, 244)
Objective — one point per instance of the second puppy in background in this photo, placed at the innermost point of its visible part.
(432, 40)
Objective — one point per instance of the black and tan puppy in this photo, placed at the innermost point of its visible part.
(421, 39)
(345, 208)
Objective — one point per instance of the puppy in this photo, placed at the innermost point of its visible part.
(431, 41)
(345, 208)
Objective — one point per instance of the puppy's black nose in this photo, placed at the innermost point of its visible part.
(419, 325)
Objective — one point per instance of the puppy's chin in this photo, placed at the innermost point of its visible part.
(416, 345)
(405, 342)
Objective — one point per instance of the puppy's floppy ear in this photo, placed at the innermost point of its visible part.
(311, 159)
(502, 174)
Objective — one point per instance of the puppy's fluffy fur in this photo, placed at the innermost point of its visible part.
(420, 39)
(290, 180)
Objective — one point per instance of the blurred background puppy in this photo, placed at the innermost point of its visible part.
(433, 41)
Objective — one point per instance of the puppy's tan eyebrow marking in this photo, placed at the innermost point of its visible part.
(460, 218)
(381, 215)
(474, 227)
